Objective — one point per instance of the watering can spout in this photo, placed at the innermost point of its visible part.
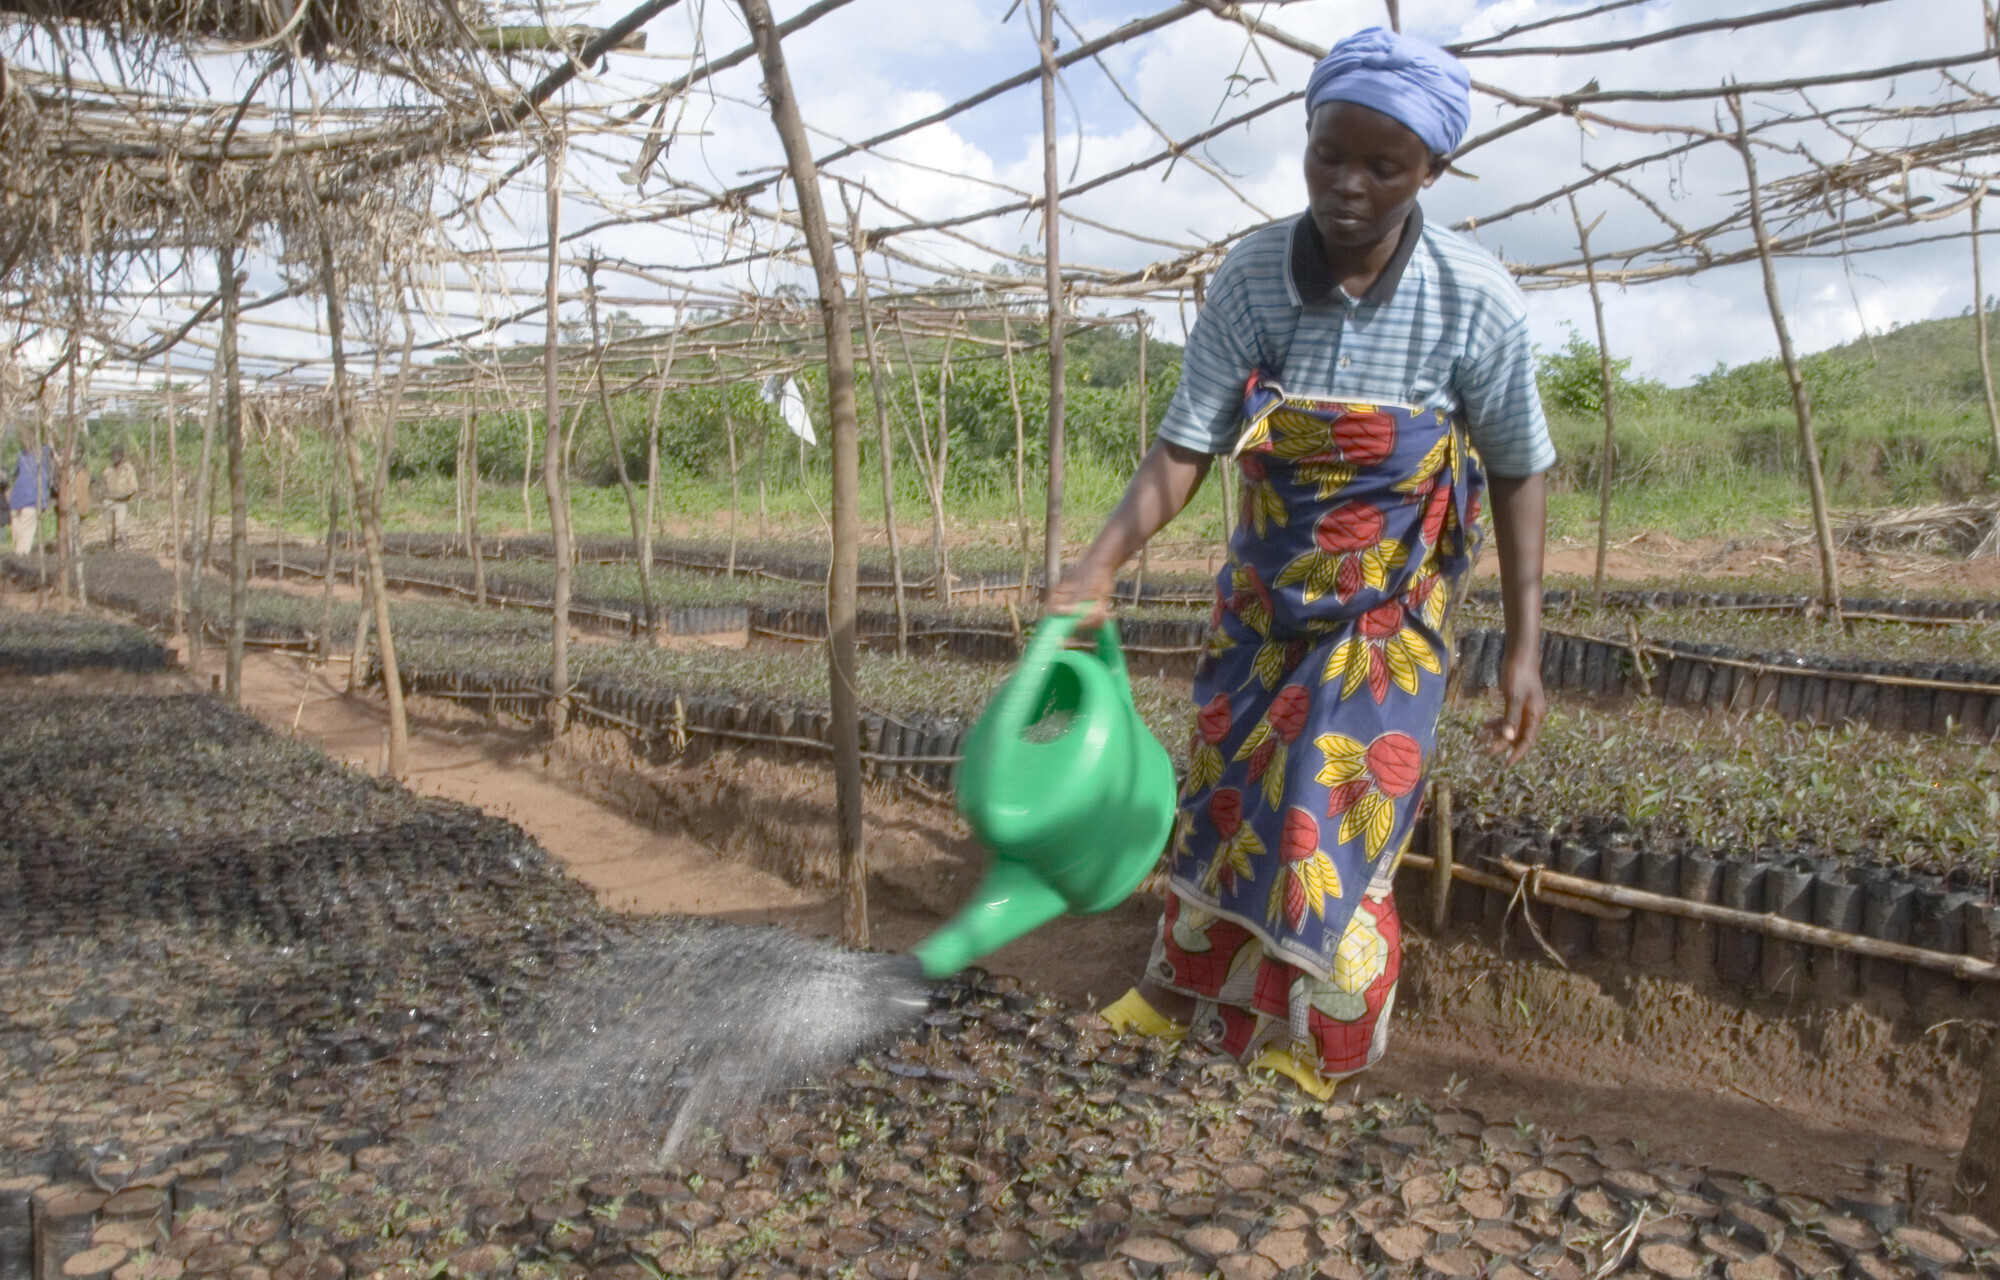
(1011, 901)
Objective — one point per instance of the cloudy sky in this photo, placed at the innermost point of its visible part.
(876, 63)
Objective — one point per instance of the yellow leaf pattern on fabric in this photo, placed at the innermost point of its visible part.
(1348, 663)
(1257, 735)
(1259, 432)
(1219, 643)
(1420, 652)
(1205, 768)
(1322, 881)
(1433, 462)
(1274, 778)
(1270, 663)
(1299, 570)
(1401, 669)
(1266, 508)
(1372, 818)
(1346, 759)
(1298, 435)
(1332, 476)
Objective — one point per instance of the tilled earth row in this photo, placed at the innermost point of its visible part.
(258, 1081)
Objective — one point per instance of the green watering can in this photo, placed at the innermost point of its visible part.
(1068, 790)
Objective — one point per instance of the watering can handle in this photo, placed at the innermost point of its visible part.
(1020, 699)
(1110, 653)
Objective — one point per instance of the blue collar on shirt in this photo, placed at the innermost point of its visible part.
(1312, 278)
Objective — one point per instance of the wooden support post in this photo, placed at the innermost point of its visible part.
(857, 244)
(472, 543)
(1985, 341)
(552, 452)
(1978, 1176)
(367, 514)
(198, 534)
(277, 439)
(239, 493)
(846, 469)
(640, 536)
(1608, 390)
(1801, 396)
(1139, 574)
(926, 460)
(1052, 544)
(1441, 859)
(174, 505)
(735, 483)
(944, 462)
(1020, 453)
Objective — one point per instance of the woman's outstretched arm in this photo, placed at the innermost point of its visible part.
(1163, 485)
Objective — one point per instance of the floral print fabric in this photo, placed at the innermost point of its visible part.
(1318, 703)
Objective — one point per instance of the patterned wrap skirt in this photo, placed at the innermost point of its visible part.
(1318, 706)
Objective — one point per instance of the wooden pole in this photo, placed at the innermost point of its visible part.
(1978, 1176)
(735, 484)
(1985, 347)
(198, 534)
(1801, 396)
(1139, 575)
(63, 484)
(640, 537)
(846, 469)
(1395, 14)
(857, 243)
(277, 439)
(174, 505)
(1052, 263)
(1441, 858)
(239, 490)
(332, 549)
(527, 470)
(472, 543)
(1020, 455)
(1607, 390)
(944, 463)
(552, 452)
(367, 514)
(926, 460)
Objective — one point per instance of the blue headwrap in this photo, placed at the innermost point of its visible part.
(1408, 80)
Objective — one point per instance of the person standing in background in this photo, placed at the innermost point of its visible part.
(121, 485)
(28, 496)
(73, 500)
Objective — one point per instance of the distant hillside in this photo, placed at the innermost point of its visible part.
(1933, 363)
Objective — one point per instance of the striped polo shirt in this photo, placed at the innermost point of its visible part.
(1443, 327)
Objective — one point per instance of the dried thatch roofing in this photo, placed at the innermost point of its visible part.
(317, 29)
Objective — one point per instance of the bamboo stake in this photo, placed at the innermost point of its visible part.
(527, 469)
(1801, 396)
(239, 481)
(552, 451)
(857, 243)
(1608, 392)
(332, 544)
(640, 540)
(1052, 266)
(1985, 349)
(846, 469)
(1441, 858)
(64, 486)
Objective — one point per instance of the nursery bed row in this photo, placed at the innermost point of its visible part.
(138, 586)
(1902, 847)
(994, 569)
(1875, 686)
(44, 643)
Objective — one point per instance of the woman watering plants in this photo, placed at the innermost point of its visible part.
(1342, 361)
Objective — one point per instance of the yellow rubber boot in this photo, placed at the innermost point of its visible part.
(1133, 1012)
(1288, 1061)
